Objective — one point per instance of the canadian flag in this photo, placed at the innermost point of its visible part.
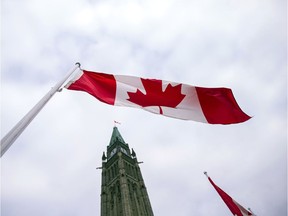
(235, 208)
(208, 105)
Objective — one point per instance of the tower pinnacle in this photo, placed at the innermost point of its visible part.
(116, 136)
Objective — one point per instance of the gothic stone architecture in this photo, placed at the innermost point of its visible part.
(123, 191)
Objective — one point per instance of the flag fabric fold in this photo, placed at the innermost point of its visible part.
(177, 100)
(235, 208)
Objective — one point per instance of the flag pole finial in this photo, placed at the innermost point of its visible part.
(251, 211)
(78, 64)
(205, 173)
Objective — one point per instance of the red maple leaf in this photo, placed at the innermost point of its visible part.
(154, 96)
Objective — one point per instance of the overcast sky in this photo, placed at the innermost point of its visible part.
(51, 168)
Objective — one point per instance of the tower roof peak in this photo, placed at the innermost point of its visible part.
(116, 136)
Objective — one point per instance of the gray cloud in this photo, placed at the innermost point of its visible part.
(51, 168)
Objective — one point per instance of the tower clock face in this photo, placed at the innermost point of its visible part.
(113, 152)
(124, 151)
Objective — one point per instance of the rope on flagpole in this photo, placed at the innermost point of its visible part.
(15, 132)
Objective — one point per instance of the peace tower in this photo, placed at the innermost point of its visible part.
(123, 192)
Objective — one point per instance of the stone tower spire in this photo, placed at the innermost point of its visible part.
(123, 191)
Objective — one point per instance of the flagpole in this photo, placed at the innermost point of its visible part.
(15, 132)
